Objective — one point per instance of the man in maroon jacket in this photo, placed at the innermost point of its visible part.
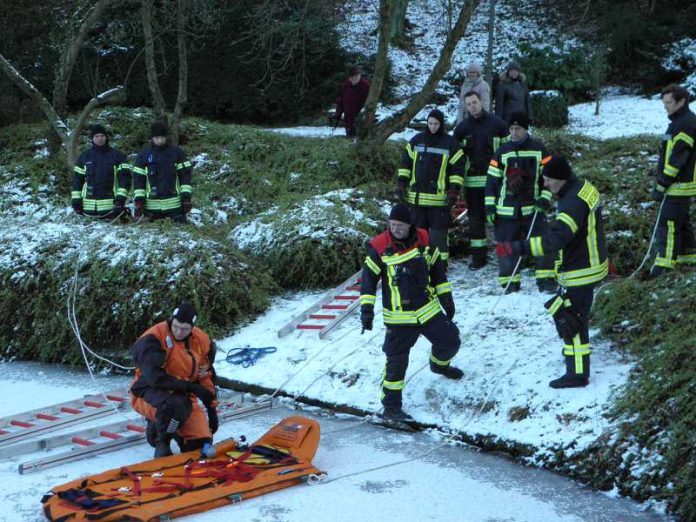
(351, 99)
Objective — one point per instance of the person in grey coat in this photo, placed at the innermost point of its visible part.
(512, 93)
(474, 82)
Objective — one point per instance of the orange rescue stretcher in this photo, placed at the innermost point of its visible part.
(179, 485)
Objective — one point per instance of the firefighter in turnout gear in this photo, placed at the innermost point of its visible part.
(514, 195)
(174, 368)
(576, 238)
(430, 179)
(415, 292)
(162, 180)
(676, 184)
(101, 178)
(480, 135)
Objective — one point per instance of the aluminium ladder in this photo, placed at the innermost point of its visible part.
(329, 310)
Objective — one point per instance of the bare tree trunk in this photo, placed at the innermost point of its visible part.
(32, 92)
(380, 133)
(489, 54)
(367, 121)
(397, 25)
(68, 59)
(182, 95)
(150, 65)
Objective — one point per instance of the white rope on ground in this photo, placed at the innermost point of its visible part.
(72, 320)
(445, 441)
(652, 239)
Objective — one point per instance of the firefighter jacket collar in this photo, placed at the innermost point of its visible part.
(404, 244)
(520, 143)
(678, 114)
(568, 185)
(101, 148)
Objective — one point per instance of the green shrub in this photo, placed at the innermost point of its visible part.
(549, 108)
(127, 278)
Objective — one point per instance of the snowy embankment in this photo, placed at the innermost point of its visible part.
(509, 353)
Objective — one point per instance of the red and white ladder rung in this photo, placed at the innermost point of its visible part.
(43, 420)
(329, 311)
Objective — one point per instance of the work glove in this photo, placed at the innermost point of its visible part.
(490, 215)
(186, 205)
(516, 178)
(657, 193)
(204, 394)
(447, 302)
(508, 248)
(367, 317)
(567, 324)
(77, 206)
(139, 207)
(452, 196)
(542, 205)
(213, 421)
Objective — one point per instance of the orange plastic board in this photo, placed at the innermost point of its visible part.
(180, 485)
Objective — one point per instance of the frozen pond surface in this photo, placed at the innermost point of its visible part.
(438, 482)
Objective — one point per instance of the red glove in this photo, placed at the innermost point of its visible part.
(139, 206)
(504, 249)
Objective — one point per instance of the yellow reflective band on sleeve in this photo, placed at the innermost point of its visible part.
(495, 171)
(683, 136)
(183, 165)
(439, 362)
(546, 194)
(76, 194)
(535, 246)
(443, 288)
(122, 192)
(368, 299)
(489, 200)
(478, 243)
(459, 180)
(409, 150)
(125, 166)
(403, 173)
(457, 156)
(186, 189)
(139, 170)
(374, 267)
(139, 193)
(79, 170)
(556, 305)
(475, 182)
(569, 221)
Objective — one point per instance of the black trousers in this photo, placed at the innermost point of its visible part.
(435, 220)
(475, 198)
(674, 237)
(517, 230)
(440, 331)
(576, 350)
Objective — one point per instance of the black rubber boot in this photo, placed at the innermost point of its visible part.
(449, 371)
(162, 448)
(572, 379)
(396, 414)
(478, 261)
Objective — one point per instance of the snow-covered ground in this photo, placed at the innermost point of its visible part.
(509, 353)
(373, 473)
(620, 115)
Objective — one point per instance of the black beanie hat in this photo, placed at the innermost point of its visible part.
(185, 313)
(557, 168)
(401, 212)
(159, 128)
(438, 115)
(97, 129)
(519, 118)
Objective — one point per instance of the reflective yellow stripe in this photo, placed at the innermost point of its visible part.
(439, 362)
(583, 276)
(546, 194)
(459, 180)
(393, 385)
(368, 299)
(76, 194)
(139, 193)
(80, 170)
(182, 165)
(409, 151)
(687, 259)
(403, 173)
(97, 204)
(495, 172)
(535, 246)
(457, 156)
(683, 136)
(668, 260)
(682, 189)
(544, 274)
(422, 315)
(569, 221)
(374, 267)
(443, 288)
(476, 182)
(426, 200)
(556, 305)
(478, 243)
(122, 192)
(186, 189)
(503, 280)
(163, 204)
(592, 246)
(489, 201)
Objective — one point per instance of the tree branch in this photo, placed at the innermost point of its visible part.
(150, 64)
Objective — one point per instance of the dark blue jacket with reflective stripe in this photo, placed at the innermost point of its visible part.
(101, 173)
(577, 235)
(162, 173)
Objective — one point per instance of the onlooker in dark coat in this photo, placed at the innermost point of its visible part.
(512, 93)
(351, 99)
(474, 82)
